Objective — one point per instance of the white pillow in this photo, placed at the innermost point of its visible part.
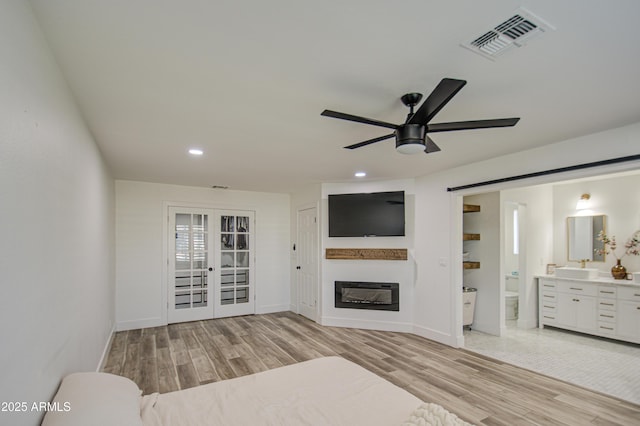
(95, 399)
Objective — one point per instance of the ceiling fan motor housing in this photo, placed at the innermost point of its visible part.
(410, 138)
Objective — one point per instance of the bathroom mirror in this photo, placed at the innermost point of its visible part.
(582, 237)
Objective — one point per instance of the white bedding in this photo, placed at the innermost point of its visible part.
(429, 414)
(324, 391)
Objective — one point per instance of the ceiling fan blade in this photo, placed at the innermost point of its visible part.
(475, 124)
(349, 117)
(370, 141)
(430, 146)
(444, 91)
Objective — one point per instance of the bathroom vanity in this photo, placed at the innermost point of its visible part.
(599, 306)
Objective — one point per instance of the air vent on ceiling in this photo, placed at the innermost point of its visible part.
(515, 31)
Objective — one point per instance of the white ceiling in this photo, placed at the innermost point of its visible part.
(247, 80)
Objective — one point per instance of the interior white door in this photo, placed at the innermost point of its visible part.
(190, 264)
(307, 263)
(234, 292)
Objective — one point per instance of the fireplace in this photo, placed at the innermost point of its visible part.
(367, 295)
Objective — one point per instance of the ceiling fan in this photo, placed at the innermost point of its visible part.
(411, 136)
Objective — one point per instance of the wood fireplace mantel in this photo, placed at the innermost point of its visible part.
(366, 254)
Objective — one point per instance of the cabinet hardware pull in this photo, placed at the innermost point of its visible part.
(548, 285)
(547, 306)
(549, 317)
(606, 328)
(467, 303)
(636, 294)
(606, 304)
(575, 288)
(606, 292)
(606, 316)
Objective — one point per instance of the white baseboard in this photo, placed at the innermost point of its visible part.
(106, 350)
(366, 324)
(445, 339)
(269, 309)
(141, 323)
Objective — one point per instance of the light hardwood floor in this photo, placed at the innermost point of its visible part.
(480, 390)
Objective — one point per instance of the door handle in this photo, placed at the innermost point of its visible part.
(210, 269)
(297, 267)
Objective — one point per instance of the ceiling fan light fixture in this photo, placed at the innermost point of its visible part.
(410, 147)
(410, 139)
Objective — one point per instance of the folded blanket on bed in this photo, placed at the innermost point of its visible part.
(429, 414)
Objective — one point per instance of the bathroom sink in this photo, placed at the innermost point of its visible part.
(577, 273)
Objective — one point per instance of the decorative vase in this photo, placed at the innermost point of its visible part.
(618, 271)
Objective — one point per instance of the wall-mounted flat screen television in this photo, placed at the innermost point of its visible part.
(377, 214)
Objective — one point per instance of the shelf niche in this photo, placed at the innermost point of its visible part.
(471, 265)
(470, 208)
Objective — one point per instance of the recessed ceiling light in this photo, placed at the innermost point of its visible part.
(196, 151)
(360, 174)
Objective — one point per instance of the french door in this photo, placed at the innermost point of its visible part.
(234, 292)
(210, 264)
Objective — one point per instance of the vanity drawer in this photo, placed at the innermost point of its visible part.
(629, 293)
(548, 318)
(549, 307)
(607, 316)
(607, 304)
(579, 288)
(607, 292)
(548, 284)
(549, 296)
(606, 328)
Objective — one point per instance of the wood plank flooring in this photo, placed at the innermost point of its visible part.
(478, 389)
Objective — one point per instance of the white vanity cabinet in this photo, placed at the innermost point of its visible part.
(577, 305)
(629, 313)
(602, 308)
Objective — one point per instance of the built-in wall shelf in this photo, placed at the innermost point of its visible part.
(471, 265)
(365, 254)
(470, 208)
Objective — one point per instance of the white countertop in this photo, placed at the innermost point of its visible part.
(600, 280)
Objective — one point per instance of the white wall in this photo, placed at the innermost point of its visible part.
(616, 197)
(56, 250)
(402, 272)
(438, 250)
(140, 261)
(537, 238)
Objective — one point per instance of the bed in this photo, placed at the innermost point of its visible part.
(323, 391)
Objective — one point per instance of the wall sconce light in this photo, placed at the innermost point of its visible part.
(583, 202)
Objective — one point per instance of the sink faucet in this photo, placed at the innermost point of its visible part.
(583, 263)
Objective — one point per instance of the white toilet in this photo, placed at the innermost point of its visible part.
(511, 297)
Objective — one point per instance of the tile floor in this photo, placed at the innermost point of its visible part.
(603, 365)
